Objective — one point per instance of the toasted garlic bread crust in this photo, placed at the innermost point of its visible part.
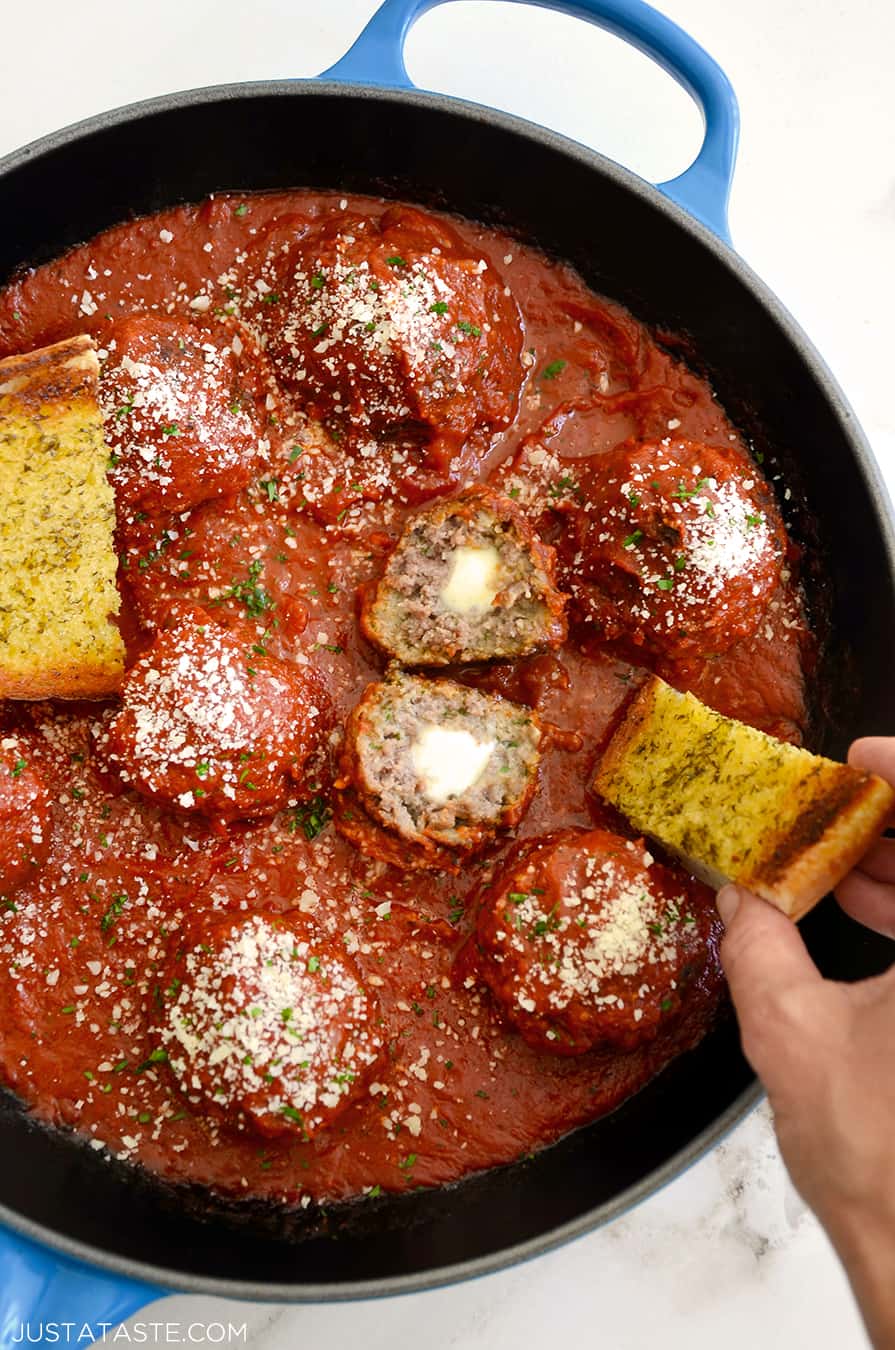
(736, 805)
(57, 518)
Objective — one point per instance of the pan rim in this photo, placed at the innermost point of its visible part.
(168, 1281)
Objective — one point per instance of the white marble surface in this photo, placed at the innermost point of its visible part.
(726, 1254)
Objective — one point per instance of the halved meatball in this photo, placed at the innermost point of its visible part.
(441, 765)
(269, 1022)
(584, 940)
(670, 547)
(390, 329)
(468, 581)
(212, 727)
(24, 814)
(181, 416)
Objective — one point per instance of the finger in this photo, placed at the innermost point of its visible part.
(869, 901)
(875, 754)
(769, 972)
(879, 862)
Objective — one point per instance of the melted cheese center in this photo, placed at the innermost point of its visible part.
(473, 582)
(449, 761)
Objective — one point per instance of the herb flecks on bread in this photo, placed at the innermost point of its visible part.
(57, 518)
(737, 805)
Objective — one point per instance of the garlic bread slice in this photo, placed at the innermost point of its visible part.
(737, 805)
(57, 522)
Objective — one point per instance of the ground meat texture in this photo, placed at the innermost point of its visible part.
(468, 581)
(584, 940)
(266, 1020)
(210, 726)
(183, 421)
(441, 765)
(670, 547)
(24, 815)
(391, 328)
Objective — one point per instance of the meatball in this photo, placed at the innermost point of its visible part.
(268, 1021)
(584, 940)
(24, 815)
(468, 581)
(212, 727)
(180, 418)
(391, 329)
(670, 548)
(442, 766)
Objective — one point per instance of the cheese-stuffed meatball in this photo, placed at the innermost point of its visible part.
(584, 940)
(391, 328)
(468, 581)
(670, 548)
(180, 416)
(268, 1021)
(24, 814)
(213, 728)
(440, 765)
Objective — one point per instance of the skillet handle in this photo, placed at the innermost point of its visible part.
(38, 1288)
(377, 58)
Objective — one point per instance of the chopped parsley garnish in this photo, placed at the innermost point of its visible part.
(269, 487)
(407, 1162)
(18, 768)
(562, 485)
(295, 453)
(291, 1114)
(665, 583)
(753, 520)
(240, 210)
(555, 368)
(633, 538)
(472, 329)
(684, 493)
(158, 1056)
(172, 429)
(112, 913)
(271, 298)
(396, 261)
(313, 965)
(311, 817)
(255, 598)
(440, 307)
(318, 282)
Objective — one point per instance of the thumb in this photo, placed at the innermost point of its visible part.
(771, 978)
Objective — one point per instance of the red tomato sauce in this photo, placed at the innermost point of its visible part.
(88, 935)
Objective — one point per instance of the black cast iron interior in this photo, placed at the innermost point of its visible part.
(631, 245)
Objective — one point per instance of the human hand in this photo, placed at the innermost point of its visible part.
(868, 892)
(824, 1052)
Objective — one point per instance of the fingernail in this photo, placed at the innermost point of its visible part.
(728, 902)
